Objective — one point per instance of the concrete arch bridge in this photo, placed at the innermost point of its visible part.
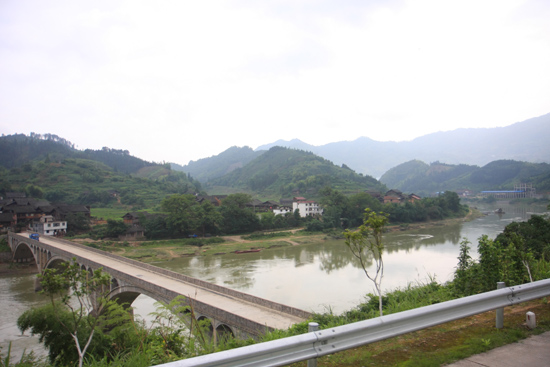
(228, 310)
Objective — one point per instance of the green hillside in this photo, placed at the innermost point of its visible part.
(16, 150)
(283, 172)
(88, 182)
(423, 179)
(210, 168)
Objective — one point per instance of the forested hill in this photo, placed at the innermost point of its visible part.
(424, 179)
(19, 149)
(280, 172)
(88, 182)
(207, 169)
(50, 167)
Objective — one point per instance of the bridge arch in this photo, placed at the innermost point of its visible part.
(127, 294)
(54, 262)
(23, 252)
(224, 331)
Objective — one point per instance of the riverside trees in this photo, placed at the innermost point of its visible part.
(78, 308)
(518, 255)
(81, 326)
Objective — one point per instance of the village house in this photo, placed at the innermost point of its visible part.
(397, 197)
(306, 207)
(19, 211)
(48, 226)
(134, 218)
(215, 200)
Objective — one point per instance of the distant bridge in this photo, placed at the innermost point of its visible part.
(228, 310)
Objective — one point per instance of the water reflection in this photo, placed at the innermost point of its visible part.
(322, 275)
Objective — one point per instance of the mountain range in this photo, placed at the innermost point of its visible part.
(523, 141)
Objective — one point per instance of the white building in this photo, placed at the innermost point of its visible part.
(49, 227)
(306, 207)
(282, 210)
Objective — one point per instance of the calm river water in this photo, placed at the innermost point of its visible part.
(315, 277)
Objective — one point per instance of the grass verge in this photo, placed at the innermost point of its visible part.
(445, 343)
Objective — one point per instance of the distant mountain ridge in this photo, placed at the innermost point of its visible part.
(522, 141)
(426, 179)
(206, 169)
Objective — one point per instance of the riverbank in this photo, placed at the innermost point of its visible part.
(167, 250)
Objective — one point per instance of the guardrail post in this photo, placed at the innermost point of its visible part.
(312, 326)
(500, 311)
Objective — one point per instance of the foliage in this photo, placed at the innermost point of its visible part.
(535, 232)
(420, 178)
(237, 217)
(518, 255)
(68, 324)
(76, 179)
(186, 216)
(4, 246)
(115, 228)
(367, 242)
(77, 223)
(342, 211)
(282, 171)
(26, 360)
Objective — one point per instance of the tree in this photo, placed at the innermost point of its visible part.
(78, 307)
(367, 241)
(237, 217)
(115, 228)
(335, 207)
(183, 213)
(77, 223)
(209, 218)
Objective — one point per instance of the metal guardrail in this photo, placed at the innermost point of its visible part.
(323, 342)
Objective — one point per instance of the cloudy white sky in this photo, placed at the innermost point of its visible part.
(182, 80)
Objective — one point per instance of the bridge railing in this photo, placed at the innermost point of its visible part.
(200, 283)
(329, 341)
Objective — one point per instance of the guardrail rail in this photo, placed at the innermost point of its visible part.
(328, 341)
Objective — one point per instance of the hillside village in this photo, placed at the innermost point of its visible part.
(19, 212)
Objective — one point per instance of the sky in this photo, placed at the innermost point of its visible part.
(174, 81)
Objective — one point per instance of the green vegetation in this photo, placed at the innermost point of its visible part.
(207, 169)
(4, 247)
(266, 235)
(423, 179)
(520, 254)
(343, 212)
(86, 182)
(46, 166)
(280, 171)
(96, 331)
(366, 243)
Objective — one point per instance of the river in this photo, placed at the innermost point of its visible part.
(315, 277)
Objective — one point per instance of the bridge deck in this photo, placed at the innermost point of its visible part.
(247, 310)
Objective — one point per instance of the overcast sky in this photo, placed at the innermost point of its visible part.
(181, 80)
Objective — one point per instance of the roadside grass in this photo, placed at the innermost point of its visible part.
(445, 343)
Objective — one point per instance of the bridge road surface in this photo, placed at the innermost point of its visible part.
(247, 310)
